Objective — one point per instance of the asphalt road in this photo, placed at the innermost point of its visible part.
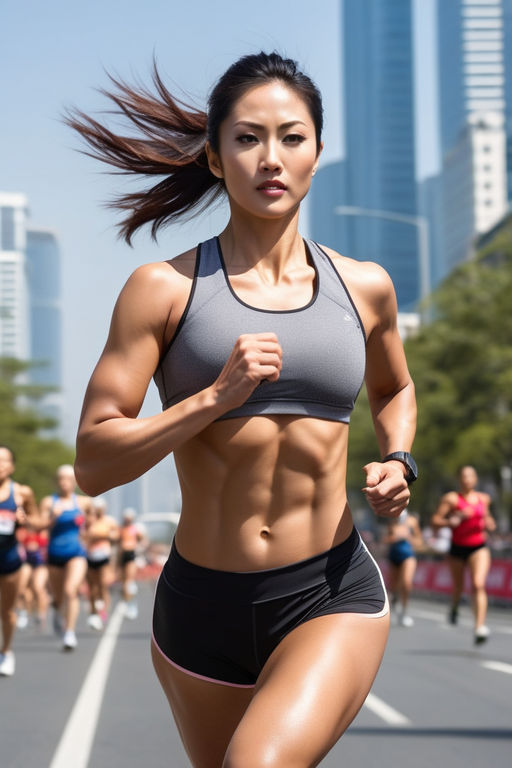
(437, 701)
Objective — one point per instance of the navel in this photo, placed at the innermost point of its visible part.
(265, 532)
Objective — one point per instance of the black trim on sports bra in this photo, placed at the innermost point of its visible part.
(316, 286)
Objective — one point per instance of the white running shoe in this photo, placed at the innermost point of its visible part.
(7, 664)
(132, 588)
(94, 622)
(22, 619)
(405, 621)
(130, 610)
(69, 641)
(482, 634)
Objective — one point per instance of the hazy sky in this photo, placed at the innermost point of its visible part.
(55, 53)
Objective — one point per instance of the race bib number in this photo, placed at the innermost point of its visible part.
(7, 523)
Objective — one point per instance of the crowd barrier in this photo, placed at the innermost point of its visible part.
(434, 577)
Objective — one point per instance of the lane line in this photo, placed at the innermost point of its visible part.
(498, 666)
(76, 741)
(387, 713)
(465, 622)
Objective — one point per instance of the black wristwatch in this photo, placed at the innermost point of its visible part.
(408, 462)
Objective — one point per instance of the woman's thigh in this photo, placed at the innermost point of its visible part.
(479, 563)
(75, 571)
(408, 571)
(309, 691)
(206, 714)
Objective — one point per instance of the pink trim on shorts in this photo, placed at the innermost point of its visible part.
(195, 674)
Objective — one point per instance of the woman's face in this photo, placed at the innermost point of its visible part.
(267, 151)
(468, 478)
(6, 464)
(66, 481)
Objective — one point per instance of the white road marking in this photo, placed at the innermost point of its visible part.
(76, 741)
(420, 613)
(498, 666)
(387, 713)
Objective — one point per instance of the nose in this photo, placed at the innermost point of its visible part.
(270, 160)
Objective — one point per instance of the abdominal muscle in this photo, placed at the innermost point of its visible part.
(262, 492)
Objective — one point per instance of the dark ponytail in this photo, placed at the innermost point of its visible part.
(172, 136)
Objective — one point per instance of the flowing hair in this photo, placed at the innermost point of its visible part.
(170, 138)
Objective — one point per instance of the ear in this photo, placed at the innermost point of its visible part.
(214, 163)
(317, 158)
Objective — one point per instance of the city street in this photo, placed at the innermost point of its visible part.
(437, 700)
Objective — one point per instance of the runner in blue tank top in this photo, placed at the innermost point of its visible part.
(65, 513)
(17, 504)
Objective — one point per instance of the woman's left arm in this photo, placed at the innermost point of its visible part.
(390, 393)
(388, 382)
(489, 521)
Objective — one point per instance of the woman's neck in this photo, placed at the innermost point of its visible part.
(268, 246)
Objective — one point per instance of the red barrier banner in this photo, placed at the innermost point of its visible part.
(432, 576)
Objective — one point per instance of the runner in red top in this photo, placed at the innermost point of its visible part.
(466, 512)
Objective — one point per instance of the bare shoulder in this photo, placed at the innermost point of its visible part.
(370, 286)
(163, 278)
(23, 491)
(154, 295)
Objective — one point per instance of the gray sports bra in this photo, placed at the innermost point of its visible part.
(323, 343)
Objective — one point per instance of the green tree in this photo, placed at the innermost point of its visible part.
(461, 364)
(22, 429)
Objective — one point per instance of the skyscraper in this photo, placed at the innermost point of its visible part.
(14, 334)
(44, 281)
(378, 173)
(471, 65)
(380, 137)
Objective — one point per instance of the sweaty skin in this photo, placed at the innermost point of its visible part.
(258, 492)
(271, 490)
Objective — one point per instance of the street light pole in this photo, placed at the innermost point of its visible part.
(420, 222)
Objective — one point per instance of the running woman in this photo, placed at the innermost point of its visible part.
(33, 597)
(467, 512)
(404, 537)
(270, 610)
(65, 513)
(131, 537)
(17, 505)
(100, 532)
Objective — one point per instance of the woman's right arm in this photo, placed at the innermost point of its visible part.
(443, 516)
(113, 445)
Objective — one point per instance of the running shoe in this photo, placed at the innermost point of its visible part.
(482, 634)
(131, 611)
(405, 621)
(22, 619)
(69, 641)
(7, 664)
(453, 616)
(94, 621)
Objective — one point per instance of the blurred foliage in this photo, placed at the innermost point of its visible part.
(461, 364)
(22, 429)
